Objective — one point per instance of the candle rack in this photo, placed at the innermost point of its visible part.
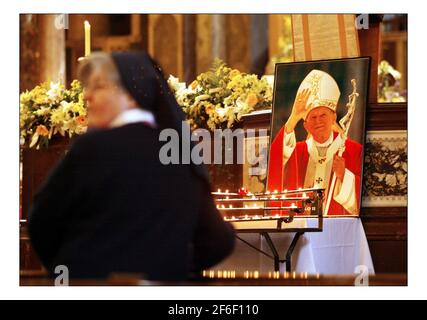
(286, 205)
(297, 211)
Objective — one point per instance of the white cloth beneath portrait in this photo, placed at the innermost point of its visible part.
(339, 250)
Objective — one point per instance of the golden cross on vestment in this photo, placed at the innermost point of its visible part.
(321, 160)
(315, 84)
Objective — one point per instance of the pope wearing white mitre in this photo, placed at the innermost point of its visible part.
(312, 163)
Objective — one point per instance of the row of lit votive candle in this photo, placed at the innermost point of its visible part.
(255, 206)
(246, 217)
(219, 192)
(223, 193)
(250, 194)
(225, 274)
(273, 197)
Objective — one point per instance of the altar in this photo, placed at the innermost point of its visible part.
(341, 249)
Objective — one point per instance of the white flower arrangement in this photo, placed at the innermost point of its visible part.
(50, 109)
(218, 98)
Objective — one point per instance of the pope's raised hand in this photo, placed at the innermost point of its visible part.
(298, 110)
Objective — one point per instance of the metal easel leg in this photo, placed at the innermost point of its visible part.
(291, 250)
(273, 250)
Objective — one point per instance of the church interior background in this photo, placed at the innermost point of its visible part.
(187, 45)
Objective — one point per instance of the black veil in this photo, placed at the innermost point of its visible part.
(144, 80)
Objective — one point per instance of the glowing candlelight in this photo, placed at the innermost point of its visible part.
(226, 191)
(231, 206)
(219, 190)
(275, 191)
(87, 38)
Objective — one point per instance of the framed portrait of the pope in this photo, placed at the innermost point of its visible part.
(317, 130)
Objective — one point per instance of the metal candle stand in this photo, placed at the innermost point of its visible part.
(273, 216)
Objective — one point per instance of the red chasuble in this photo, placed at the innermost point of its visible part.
(292, 176)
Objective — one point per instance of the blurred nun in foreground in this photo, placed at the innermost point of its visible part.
(111, 206)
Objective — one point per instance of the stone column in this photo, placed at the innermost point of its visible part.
(52, 48)
(29, 51)
(259, 43)
(204, 42)
(238, 41)
(219, 40)
(189, 49)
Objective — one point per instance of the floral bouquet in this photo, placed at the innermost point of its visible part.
(50, 109)
(218, 98)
